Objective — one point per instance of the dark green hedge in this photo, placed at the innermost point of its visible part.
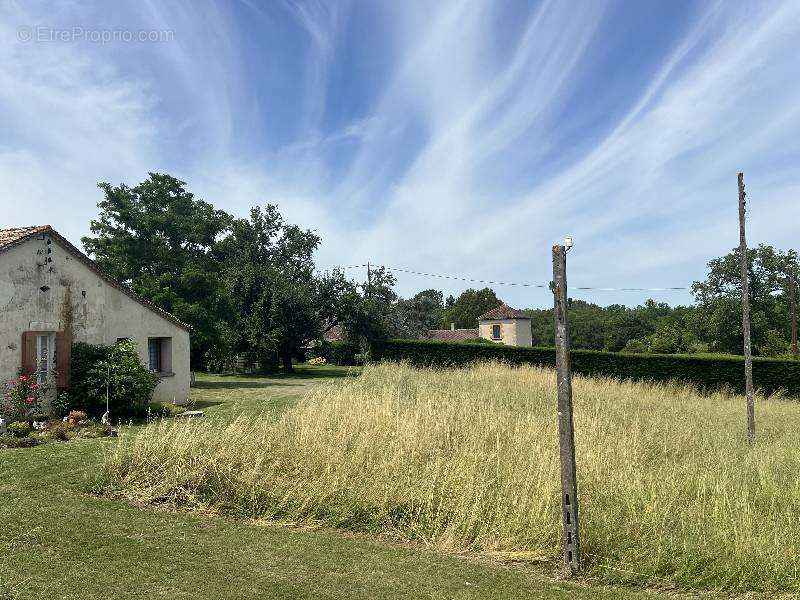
(707, 372)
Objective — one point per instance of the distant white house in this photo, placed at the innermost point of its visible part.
(502, 325)
(52, 294)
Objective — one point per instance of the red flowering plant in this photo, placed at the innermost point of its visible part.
(22, 397)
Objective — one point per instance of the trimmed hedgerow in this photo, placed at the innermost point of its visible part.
(707, 372)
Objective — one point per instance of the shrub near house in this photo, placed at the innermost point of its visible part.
(130, 384)
(25, 426)
(22, 397)
(96, 371)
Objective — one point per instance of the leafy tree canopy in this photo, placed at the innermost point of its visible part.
(281, 304)
(268, 270)
(719, 299)
(366, 317)
(414, 317)
(246, 286)
(465, 310)
(594, 327)
(159, 239)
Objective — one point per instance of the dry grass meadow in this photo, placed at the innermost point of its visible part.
(466, 460)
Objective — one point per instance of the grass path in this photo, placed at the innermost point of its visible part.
(57, 541)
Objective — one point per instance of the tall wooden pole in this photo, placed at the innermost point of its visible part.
(748, 356)
(566, 436)
(793, 303)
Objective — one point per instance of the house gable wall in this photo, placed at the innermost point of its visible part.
(514, 332)
(65, 294)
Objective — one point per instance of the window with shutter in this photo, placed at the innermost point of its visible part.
(45, 352)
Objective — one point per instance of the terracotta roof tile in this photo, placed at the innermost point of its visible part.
(16, 235)
(504, 311)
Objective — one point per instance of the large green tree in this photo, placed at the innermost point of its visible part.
(719, 299)
(366, 316)
(281, 304)
(159, 239)
(414, 317)
(465, 310)
(269, 274)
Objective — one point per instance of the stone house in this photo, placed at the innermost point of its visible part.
(502, 325)
(52, 294)
(506, 325)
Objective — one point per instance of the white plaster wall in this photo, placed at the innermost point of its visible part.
(513, 332)
(523, 332)
(100, 312)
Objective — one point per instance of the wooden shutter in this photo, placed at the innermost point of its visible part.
(28, 353)
(63, 358)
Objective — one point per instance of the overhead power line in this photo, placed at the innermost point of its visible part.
(518, 284)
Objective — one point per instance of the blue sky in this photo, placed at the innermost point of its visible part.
(455, 137)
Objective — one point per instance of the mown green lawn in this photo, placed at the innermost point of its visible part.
(59, 541)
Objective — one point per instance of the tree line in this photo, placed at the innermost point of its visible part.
(249, 288)
(712, 324)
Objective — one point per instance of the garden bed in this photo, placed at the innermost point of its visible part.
(39, 429)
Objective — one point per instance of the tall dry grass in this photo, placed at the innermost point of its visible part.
(467, 460)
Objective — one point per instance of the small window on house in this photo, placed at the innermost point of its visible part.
(496, 331)
(122, 340)
(154, 351)
(159, 351)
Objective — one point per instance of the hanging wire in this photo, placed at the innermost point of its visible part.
(517, 284)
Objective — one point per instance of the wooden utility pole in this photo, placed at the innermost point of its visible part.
(793, 305)
(748, 355)
(566, 437)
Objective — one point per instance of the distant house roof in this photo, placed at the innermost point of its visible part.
(17, 235)
(453, 335)
(334, 334)
(504, 311)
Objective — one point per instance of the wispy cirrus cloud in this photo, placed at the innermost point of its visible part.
(455, 137)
